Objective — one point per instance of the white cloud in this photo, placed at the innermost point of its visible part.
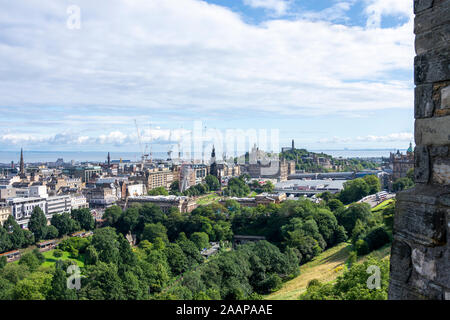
(193, 59)
(279, 7)
(337, 12)
(376, 9)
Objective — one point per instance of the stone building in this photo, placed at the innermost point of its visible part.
(401, 163)
(22, 208)
(5, 212)
(159, 177)
(7, 192)
(420, 255)
(155, 178)
(58, 204)
(192, 174)
(261, 199)
(184, 204)
(275, 169)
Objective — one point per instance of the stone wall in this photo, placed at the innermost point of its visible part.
(420, 257)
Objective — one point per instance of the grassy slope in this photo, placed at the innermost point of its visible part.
(383, 205)
(326, 268)
(205, 200)
(51, 260)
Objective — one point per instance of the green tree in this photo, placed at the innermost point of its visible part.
(200, 239)
(105, 241)
(58, 289)
(128, 221)
(402, 184)
(5, 240)
(14, 272)
(112, 215)
(159, 191)
(237, 187)
(16, 234)
(52, 232)
(212, 182)
(38, 224)
(35, 287)
(64, 224)
(373, 182)
(354, 190)
(326, 196)
(6, 289)
(177, 259)
(153, 231)
(3, 262)
(377, 238)
(84, 218)
(102, 282)
(39, 256)
(175, 187)
(30, 260)
(361, 247)
(335, 204)
(410, 174)
(347, 217)
(91, 256)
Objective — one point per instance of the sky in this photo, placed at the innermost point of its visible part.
(330, 74)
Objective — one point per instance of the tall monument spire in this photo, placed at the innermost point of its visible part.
(109, 160)
(22, 164)
(213, 168)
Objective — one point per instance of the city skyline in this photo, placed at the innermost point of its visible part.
(302, 67)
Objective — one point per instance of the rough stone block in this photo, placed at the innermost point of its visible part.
(441, 171)
(423, 101)
(421, 164)
(437, 15)
(420, 5)
(444, 200)
(430, 267)
(432, 131)
(445, 98)
(441, 98)
(422, 223)
(433, 66)
(423, 265)
(401, 265)
(433, 39)
(426, 288)
(419, 216)
(397, 291)
(439, 151)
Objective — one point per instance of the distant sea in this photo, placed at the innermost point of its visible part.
(51, 156)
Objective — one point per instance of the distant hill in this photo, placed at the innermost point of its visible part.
(321, 162)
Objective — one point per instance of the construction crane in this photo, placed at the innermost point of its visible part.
(169, 152)
(150, 139)
(140, 142)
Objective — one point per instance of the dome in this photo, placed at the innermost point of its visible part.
(410, 149)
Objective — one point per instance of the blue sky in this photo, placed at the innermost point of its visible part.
(330, 74)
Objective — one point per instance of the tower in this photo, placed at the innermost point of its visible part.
(22, 164)
(109, 160)
(293, 145)
(213, 168)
